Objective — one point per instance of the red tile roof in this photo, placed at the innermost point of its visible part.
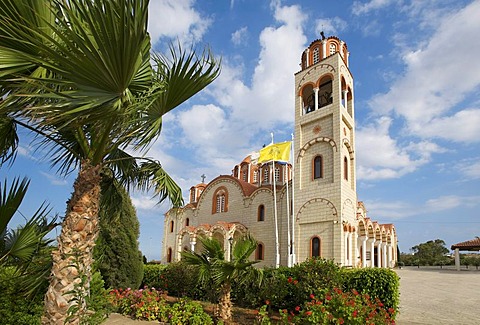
(469, 245)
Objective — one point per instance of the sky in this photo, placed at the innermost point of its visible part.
(416, 72)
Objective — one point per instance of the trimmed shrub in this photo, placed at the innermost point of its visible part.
(14, 308)
(154, 276)
(376, 282)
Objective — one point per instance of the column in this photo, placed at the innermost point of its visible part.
(179, 249)
(345, 101)
(342, 44)
(307, 52)
(193, 242)
(363, 247)
(457, 259)
(389, 256)
(228, 248)
(324, 49)
(384, 255)
(316, 97)
(372, 252)
(379, 254)
(346, 244)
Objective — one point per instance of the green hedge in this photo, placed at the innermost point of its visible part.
(283, 288)
(378, 283)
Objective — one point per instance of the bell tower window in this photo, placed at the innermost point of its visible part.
(316, 55)
(325, 92)
(261, 213)
(345, 168)
(333, 48)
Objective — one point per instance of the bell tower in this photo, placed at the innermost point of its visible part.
(325, 204)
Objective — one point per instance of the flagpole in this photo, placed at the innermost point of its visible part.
(289, 259)
(293, 203)
(277, 250)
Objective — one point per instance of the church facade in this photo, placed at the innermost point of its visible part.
(298, 210)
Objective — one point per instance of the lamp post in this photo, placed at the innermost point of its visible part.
(230, 241)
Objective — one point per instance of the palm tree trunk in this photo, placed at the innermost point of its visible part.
(225, 303)
(72, 260)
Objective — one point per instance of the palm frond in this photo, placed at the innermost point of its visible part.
(152, 176)
(8, 139)
(10, 200)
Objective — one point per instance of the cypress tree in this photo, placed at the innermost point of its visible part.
(117, 253)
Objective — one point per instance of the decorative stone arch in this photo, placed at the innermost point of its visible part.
(362, 230)
(349, 147)
(214, 184)
(348, 204)
(307, 145)
(328, 67)
(316, 200)
(258, 191)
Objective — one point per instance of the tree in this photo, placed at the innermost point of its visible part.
(24, 247)
(431, 252)
(213, 268)
(116, 253)
(80, 74)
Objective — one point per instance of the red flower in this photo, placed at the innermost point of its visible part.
(289, 279)
(340, 321)
(297, 308)
(355, 292)
(267, 302)
(391, 310)
(328, 297)
(295, 282)
(308, 313)
(355, 313)
(312, 296)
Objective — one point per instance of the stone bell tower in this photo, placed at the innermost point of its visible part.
(325, 201)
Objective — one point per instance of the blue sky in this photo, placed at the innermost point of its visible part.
(416, 70)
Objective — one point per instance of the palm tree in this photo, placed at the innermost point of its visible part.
(213, 268)
(22, 247)
(81, 76)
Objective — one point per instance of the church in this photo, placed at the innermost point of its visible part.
(303, 208)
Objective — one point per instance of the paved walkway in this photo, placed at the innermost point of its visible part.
(427, 297)
(439, 296)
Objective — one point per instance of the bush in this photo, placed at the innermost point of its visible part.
(375, 282)
(154, 276)
(337, 307)
(150, 304)
(15, 309)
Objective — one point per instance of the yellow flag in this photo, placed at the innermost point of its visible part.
(276, 151)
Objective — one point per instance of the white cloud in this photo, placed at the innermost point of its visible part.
(437, 80)
(240, 36)
(470, 169)
(378, 154)
(331, 26)
(176, 19)
(360, 8)
(395, 210)
(449, 202)
(54, 180)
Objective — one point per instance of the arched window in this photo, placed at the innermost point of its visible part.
(255, 176)
(261, 213)
(259, 252)
(316, 55)
(266, 173)
(345, 168)
(315, 247)
(244, 175)
(277, 174)
(169, 255)
(325, 91)
(220, 200)
(171, 226)
(317, 167)
(187, 222)
(333, 48)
